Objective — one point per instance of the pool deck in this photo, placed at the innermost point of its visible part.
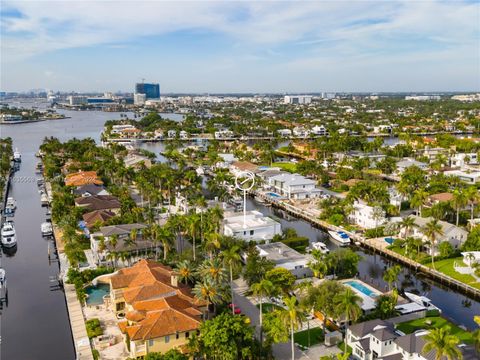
(77, 323)
(369, 302)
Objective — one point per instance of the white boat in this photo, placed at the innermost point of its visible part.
(320, 246)
(44, 199)
(46, 228)
(9, 238)
(11, 203)
(422, 300)
(17, 157)
(3, 279)
(340, 237)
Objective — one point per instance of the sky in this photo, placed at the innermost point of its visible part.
(241, 46)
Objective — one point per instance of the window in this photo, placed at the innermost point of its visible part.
(150, 343)
(187, 335)
(177, 335)
(167, 339)
(252, 232)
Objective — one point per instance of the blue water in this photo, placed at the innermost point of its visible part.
(362, 288)
(389, 240)
(96, 293)
(273, 195)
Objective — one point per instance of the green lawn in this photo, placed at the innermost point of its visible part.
(287, 166)
(316, 337)
(446, 266)
(267, 307)
(436, 322)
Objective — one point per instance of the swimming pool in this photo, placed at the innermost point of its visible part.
(389, 240)
(273, 195)
(362, 288)
(96, 294)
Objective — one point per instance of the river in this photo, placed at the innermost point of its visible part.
(35, 323)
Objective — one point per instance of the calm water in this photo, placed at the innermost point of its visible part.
(38, 314)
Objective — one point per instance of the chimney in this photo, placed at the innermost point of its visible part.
(174, 280)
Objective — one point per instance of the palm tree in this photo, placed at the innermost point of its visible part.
(459, 201)
(292, 317)
(231, 258)
(431, 230)
(418, 199)
(185, 271)
(167, 238)
(407, 224)
(391, 275)
(213, 270)
(208, 291)
(262, 289)
(347, 304)
(476, 334)
(212, 243)
(473, 197)
(442, 343)
(192, 227)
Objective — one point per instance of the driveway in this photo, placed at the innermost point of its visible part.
(281, 351)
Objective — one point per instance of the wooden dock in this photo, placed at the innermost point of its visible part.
(367, 243)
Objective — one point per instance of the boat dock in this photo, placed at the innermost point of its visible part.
(373, 245)
(81, 341)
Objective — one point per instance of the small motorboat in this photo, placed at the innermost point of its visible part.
(17, 156)
(39, 168)
(9, 238)
(320, 246)
(47, 229)
(11, 203)
(3, 279)
(44, 199)
(40, 182)
(422, 300)
(340, 237)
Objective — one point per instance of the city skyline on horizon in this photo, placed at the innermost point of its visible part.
(242, 47)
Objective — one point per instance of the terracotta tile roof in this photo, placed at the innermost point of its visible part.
(95, 216)
(82, 178)
(441, 197)
(162, 322)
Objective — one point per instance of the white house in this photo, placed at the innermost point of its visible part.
(366, 216)
(469, 177)
(294, 186)
(254, 226)
(405, 163)
(319, 130)
(462, 159)
(183, 134)
(284, 132)
(300, 131)
(227, 160)
(224, 134)
(451, 233)
(171, 134)
(285, 257)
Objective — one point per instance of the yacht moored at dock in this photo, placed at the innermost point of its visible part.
(9, 238)
(320, 246)
(340, 236)
(17, 156)
(422, 300)
(46, 228)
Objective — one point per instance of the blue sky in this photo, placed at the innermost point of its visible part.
(244, 46)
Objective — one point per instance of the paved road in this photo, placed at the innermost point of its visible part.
(281, 351)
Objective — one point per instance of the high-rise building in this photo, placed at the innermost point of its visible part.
(151, 91)
(297, 99)
(139, 99)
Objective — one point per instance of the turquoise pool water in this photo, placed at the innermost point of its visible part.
(389, 240)
(96, 293)
(362, 288)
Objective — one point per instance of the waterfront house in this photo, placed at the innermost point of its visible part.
(284, 132)
(405, 163)
(285, 257)
(224, 134)
(462, 159)
(254, 226)
(159, 312)
(294, 186)
(102, 245)
(183, 134)
(82, 178)
(90, 190)
(99, 202)
(238, 167)
(95, 217)
(366, 216)
(172, 134)
(320, 130)
(455, 235)
(227, 160)
(300, 131)
(136, 161)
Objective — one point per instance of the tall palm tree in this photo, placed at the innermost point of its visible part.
(262, 289)
(407, 224)
(167, 238)
(442, 343)
(212, 243)
(431, 230)
(231, 258)
(213, 270)
(347, 304)
(459, 201)
(292, 317)
(418, 199)
(473, 197)
(208, 291)
(391, 275)
(192, 228)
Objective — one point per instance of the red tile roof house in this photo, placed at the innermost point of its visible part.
(160, 313)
